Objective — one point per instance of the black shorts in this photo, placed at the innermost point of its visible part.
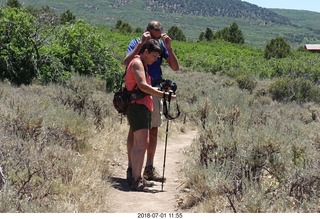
(139, 116)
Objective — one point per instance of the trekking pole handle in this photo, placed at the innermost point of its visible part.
(170, 95)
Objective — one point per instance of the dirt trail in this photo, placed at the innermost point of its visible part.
(127, 201)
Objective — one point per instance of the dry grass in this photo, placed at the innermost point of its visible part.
(56, 153)
(253, 154)
(58, 146)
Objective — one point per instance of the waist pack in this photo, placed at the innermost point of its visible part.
(121, 100)
(123, 97)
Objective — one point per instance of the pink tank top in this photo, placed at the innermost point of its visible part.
(131, 83)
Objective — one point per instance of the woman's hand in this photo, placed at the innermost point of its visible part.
(169, 95)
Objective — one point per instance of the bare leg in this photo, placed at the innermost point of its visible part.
(152, 146)
(129, 146)
(140, 144)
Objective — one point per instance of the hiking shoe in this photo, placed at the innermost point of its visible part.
(150, 173)
(147, 184)
(138, 185)
(129, 176)
(141, 184)
(130, 179)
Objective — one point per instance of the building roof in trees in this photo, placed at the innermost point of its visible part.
(312, 47)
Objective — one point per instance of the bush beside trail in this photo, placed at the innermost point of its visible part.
(253, 153)
(56, 147)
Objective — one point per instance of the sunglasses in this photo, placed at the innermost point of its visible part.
(156, 29)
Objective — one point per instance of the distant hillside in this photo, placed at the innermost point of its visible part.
(212, 8)
(259, 25)
(301, 18)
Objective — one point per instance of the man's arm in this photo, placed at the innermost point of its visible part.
(135, 51)
(172, 59)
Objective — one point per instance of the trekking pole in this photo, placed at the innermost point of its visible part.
(166, 141)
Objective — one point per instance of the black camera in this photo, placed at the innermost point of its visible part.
(168, 85)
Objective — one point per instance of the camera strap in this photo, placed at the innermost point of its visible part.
(166, 108)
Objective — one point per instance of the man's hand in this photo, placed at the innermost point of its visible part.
(145, 37)
(166, 39)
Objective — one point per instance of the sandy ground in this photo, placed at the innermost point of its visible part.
(158, 199)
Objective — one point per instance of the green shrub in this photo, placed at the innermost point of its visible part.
(246, 82)
(277, 48)
(294, 89)
(176, 34)
(230, 34)
(123, 27)
(78, 48)
(17, 58)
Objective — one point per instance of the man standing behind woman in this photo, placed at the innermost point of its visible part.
(139, 110)
(153, 31)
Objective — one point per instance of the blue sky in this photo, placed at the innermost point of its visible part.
(310, 5)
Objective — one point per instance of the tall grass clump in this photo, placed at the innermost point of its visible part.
(57, 147)
(252, 154)
(294, 89)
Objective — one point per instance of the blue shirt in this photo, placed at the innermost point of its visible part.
(154, 69)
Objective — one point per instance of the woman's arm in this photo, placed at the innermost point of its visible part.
(140, 77)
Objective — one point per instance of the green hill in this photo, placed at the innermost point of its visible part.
(258, 24)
